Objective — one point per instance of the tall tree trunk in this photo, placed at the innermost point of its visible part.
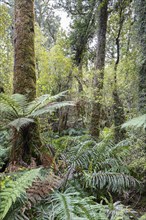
(141, 34)
(99, 69)
(24, 66)
(118, 110)
(24, 82)
(141, 29)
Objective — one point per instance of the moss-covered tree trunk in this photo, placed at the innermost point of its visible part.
(26, 144)
(141, 39)
(99, 69)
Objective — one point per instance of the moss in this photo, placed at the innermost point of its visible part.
(24, 68)
(24, 81)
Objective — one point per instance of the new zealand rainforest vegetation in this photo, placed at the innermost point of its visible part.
(73, 110)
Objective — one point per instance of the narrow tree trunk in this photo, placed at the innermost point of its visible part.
(118, 110)
(63, 113)
(24, 82)
(80, 77)
(99, 69)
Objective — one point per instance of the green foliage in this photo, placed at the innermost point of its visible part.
(47, 20)
(14, 189)
(117, 211)
(114, 182)
(138, 122)
(97, 165)
(6, 49)
(143, 217)
(54, 67)
(4, 146)
(17, 112)
(71, 205)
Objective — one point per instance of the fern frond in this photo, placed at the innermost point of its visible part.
(137, 122)
(7, 101)
(20, 100)
(7, 113)
(16, 189)
(69, 205)
(41, 188)
(49, 108)
(112, 181)
(81, 154)
(20, 122)
(58, 96)
(16, 111)
(42, 101)
(116, 210)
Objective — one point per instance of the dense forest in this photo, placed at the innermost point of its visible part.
(73, 110)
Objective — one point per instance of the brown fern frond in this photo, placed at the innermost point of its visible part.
(41, 188)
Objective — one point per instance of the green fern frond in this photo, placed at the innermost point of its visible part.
(17, 112)
(81, 154)
(21, 101)
(111, 181)
(8, 101)
(15, 189)
(101, 155)
(70, 206)
(116, 210)
(49, 108)
(20, 122)
(7, 113)
(42, 101)
(16, 214)
(137, 122)
(91, 210)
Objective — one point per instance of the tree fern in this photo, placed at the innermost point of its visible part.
(15, 189)
(16, 111)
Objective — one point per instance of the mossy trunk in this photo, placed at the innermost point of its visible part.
(27, 144)
(141, 39)
(24, 66)
(99, 69)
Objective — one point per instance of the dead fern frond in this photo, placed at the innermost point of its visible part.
(41, 188)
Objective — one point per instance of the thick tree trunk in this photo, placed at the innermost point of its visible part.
(99, 69)
(24, 67)
(141, 24)
(24, 82)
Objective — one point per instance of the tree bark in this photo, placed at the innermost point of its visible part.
(24, 66)
(24, 82)
(118, 110)
(99, 69)
(141, 34)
